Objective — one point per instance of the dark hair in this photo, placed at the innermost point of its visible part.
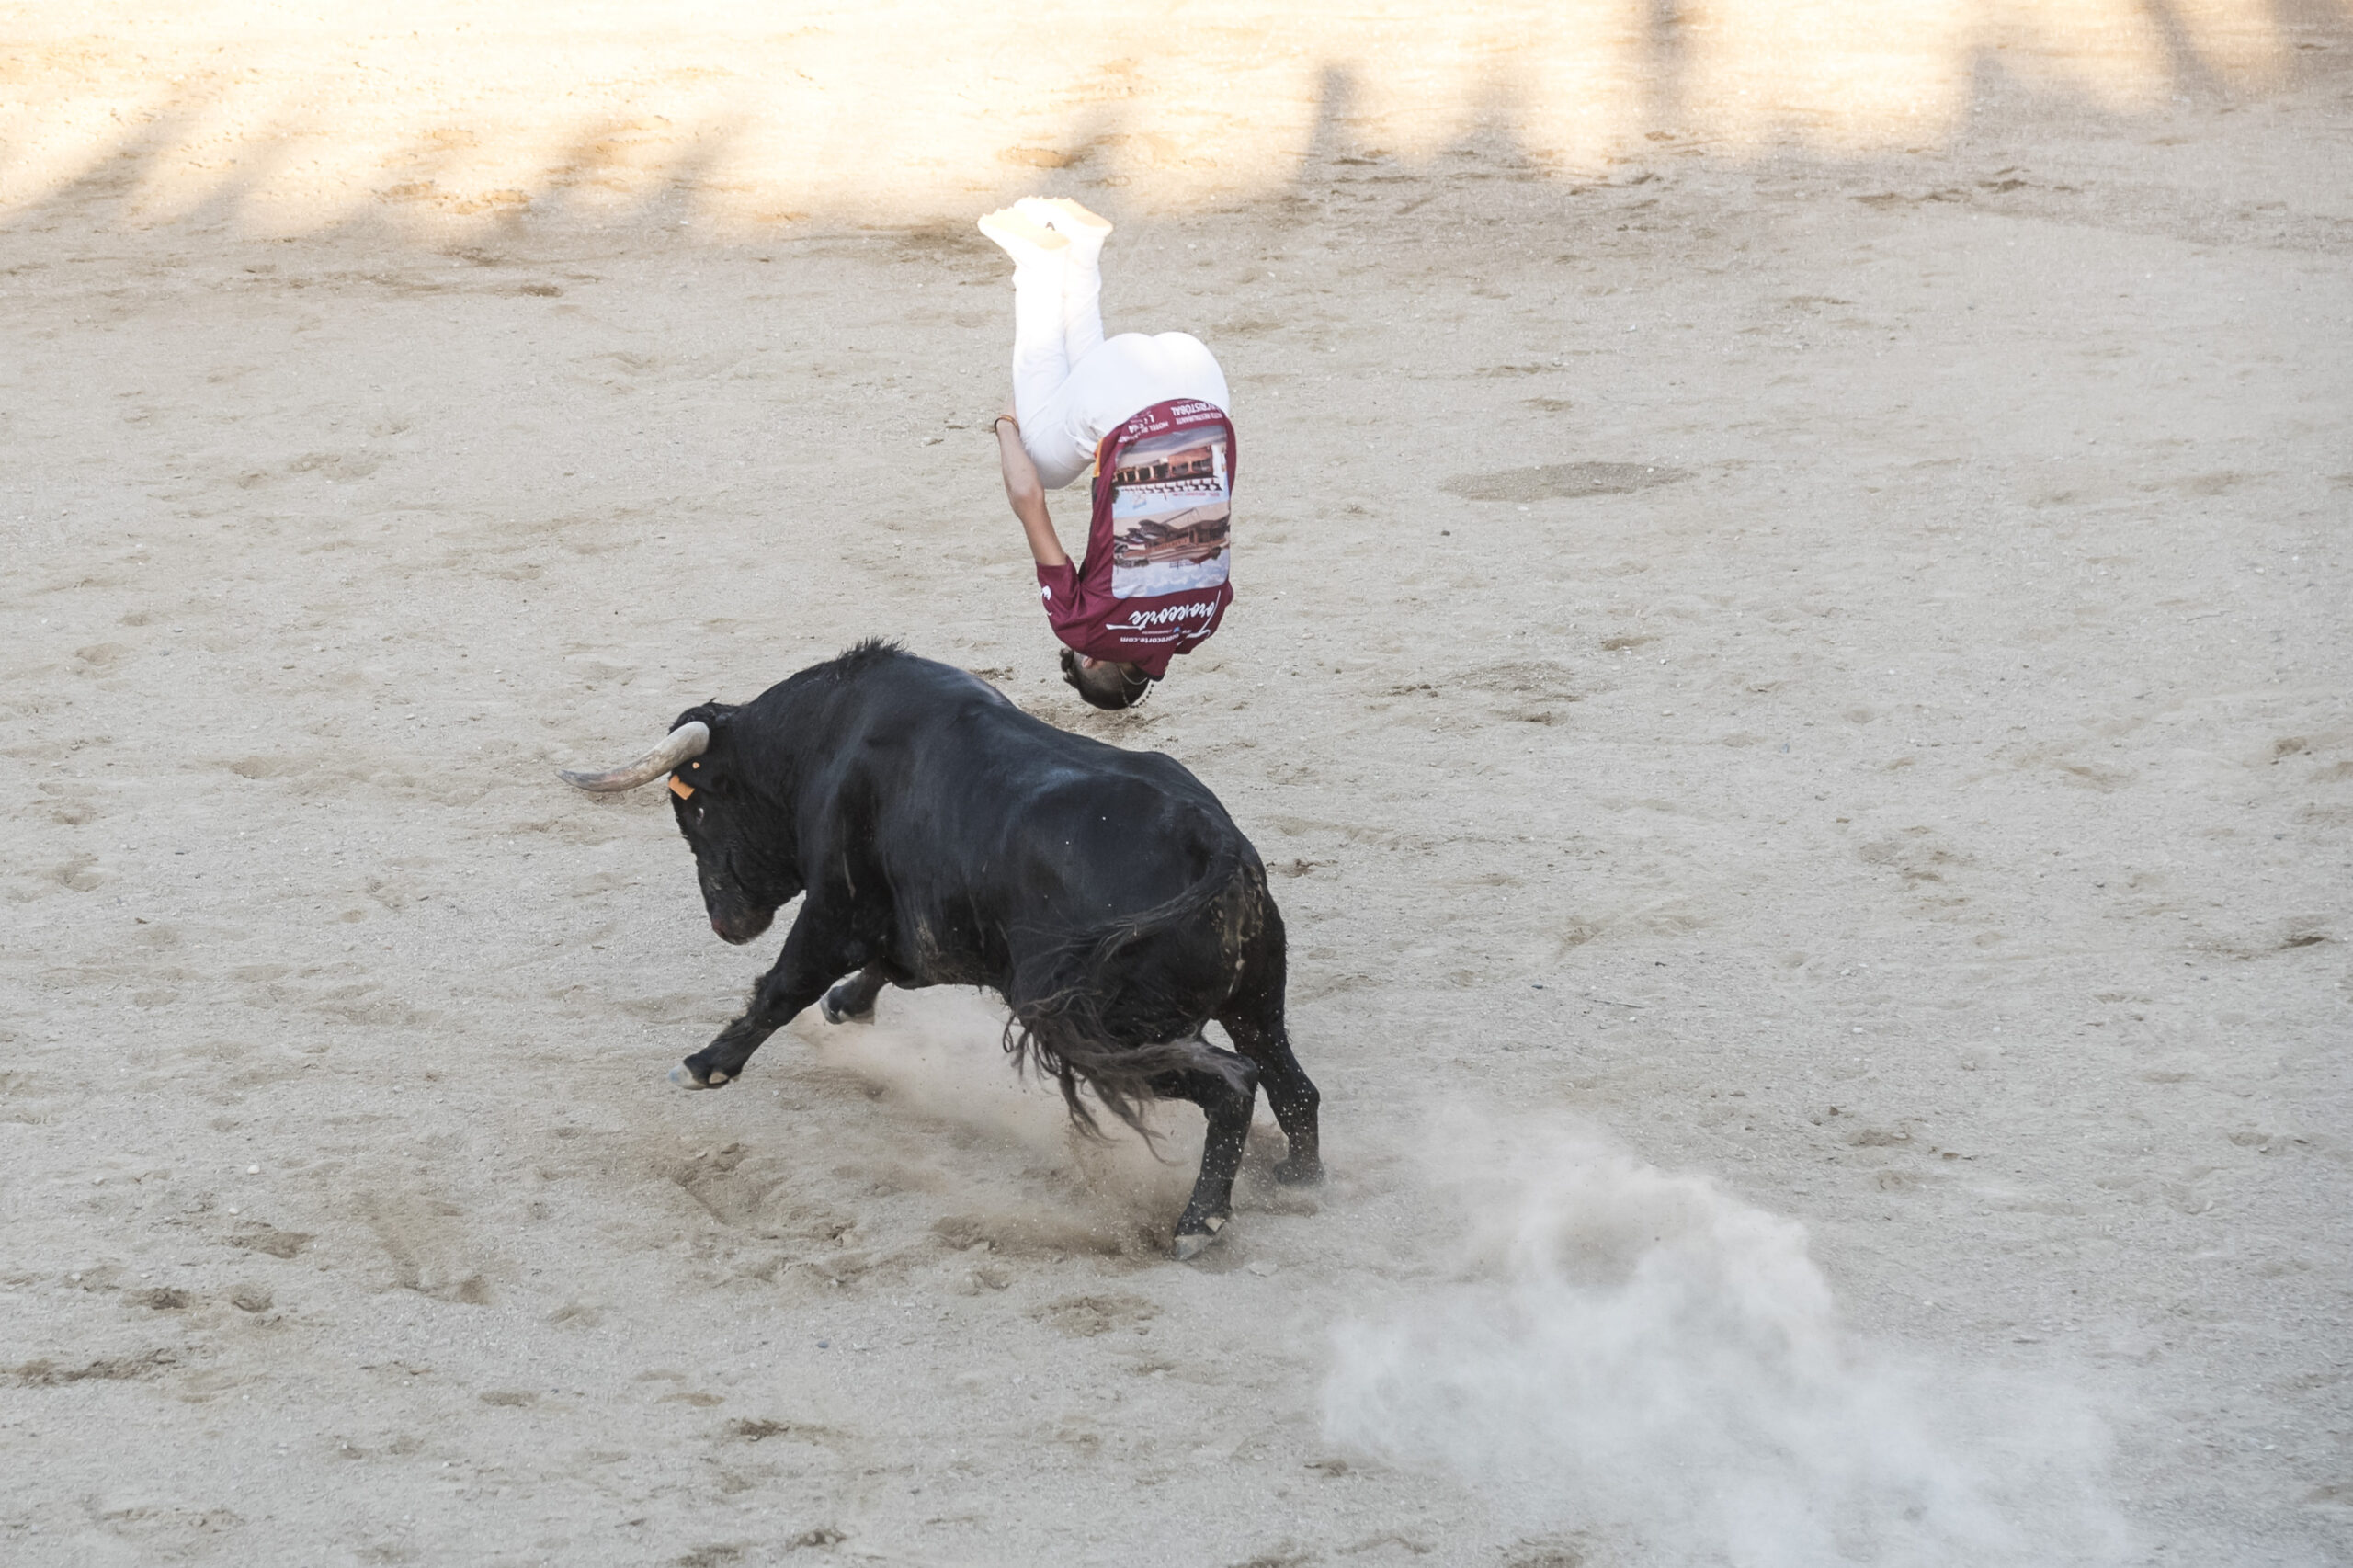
(1106, 685)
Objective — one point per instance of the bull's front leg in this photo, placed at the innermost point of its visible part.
(814, 952)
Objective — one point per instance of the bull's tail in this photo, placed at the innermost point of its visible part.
(1084, 1012)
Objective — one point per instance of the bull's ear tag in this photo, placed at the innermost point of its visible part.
(680, 788)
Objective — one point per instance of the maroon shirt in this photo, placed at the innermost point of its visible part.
(1153, 584)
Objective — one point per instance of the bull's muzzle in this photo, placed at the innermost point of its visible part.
(738, 929)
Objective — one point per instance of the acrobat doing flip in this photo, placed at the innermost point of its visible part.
(1146, 417)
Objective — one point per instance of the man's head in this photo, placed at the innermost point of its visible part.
(1103, 682)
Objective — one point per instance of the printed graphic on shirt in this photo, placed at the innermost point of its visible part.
(1171, 514)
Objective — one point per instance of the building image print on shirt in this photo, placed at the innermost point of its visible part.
(1171, 514)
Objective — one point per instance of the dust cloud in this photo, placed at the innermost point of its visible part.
(1633, 1351)
(940, 1054)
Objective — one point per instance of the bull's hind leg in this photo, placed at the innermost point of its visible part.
(853, 999)
(1255, 1019)
(1226, 1103)
(1290, 1092)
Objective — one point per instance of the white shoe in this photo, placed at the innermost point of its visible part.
(1068, 218)
(1037, 209)
(1019, 237)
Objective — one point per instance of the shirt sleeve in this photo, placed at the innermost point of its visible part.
(1058, 586)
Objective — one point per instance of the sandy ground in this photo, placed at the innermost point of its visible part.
(1787, 690)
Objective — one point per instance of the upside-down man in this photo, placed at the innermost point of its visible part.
(1147, 416)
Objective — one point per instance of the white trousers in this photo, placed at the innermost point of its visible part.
(1070, 386)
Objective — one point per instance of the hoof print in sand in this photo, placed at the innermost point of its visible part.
(1083, 1317)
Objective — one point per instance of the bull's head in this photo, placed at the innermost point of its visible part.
(742, 857)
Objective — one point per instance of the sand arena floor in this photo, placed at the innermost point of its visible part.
(1792, 660)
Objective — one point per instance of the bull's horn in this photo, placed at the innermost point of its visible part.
(690, 739)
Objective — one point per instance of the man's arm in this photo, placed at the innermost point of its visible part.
(1027, 496)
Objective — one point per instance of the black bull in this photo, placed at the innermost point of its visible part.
(945, 837)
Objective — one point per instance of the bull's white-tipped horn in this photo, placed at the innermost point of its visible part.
(690, 739)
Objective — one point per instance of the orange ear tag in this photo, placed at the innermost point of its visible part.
(680, 788)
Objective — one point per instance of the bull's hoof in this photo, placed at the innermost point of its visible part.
(684, 1076)
(1300, 1173)
(835, 1015)
(1190, 1244)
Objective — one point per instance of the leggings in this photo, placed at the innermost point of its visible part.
(1071, 385)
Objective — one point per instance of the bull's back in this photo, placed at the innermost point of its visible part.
(1052, 826)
